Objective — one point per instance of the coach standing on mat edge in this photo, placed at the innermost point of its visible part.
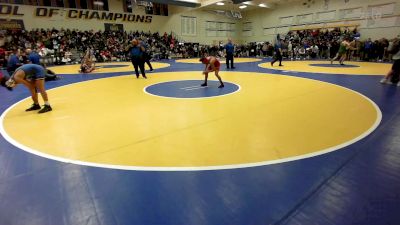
(394, 73)
(230, 50)
(137, 53)
(147, 54)
(278, 51)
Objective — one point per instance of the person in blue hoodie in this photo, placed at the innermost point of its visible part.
(13, 62)
(33, 56)
(137, 57)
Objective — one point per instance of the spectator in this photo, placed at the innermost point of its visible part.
(314, 51)
(33, 56)
(393, 75)
(13, 62)
(368, 49)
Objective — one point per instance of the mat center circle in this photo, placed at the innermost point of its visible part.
(191, 89)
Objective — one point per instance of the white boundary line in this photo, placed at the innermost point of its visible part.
(334, 65)
(318, 73)
(198, 168)
(111, 72)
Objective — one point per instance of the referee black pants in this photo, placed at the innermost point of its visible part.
(229, 60)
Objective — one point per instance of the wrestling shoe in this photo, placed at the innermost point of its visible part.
(384, 81)
(204, 85)
(221, 86)
(46, 108)
(33, 107)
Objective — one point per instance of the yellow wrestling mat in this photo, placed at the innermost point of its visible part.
(113, 123)
(110, 67)
(350, 68)
(222, 60)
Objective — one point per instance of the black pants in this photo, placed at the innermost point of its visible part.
(149, 64)
(138, 63)
(396, 71)
(147, 58)
(278, 56)
(229, 57)
(367, 54)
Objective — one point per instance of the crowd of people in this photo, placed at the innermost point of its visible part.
(324, 44)
(66, 46)
(69, 46)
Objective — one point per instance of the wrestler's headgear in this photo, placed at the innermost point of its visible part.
(204, 60)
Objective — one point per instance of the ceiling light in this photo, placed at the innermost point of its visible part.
(242, 6)
(247, 3)
(98, 3)
(263, 5)
(220, 3)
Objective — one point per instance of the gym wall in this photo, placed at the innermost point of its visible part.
(376, 18)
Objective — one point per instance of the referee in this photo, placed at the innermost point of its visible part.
(278, 51)
(230, 50)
